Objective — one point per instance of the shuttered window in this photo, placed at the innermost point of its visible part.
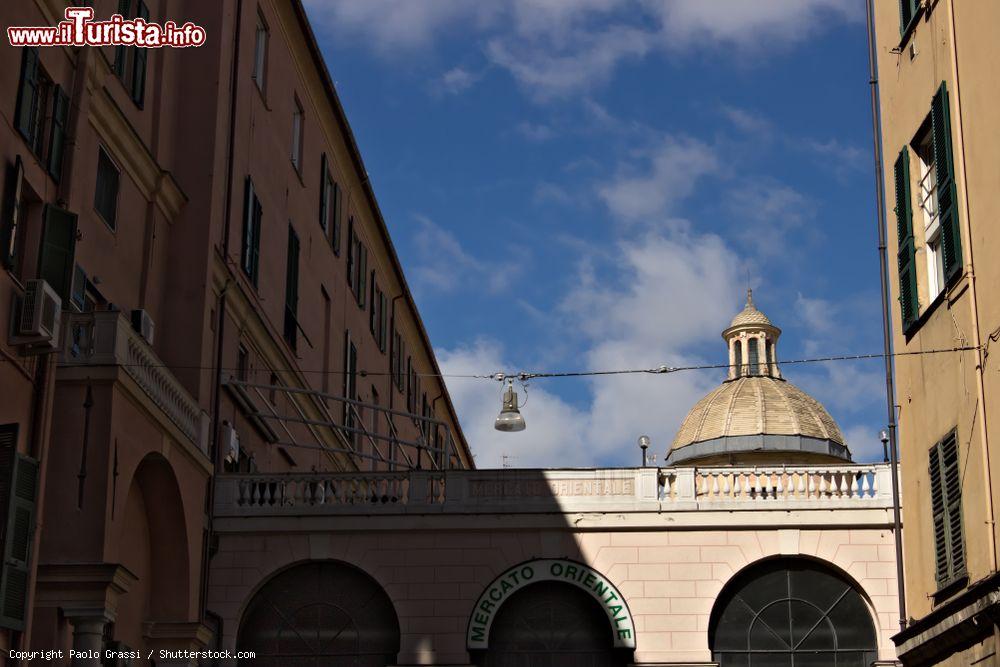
(329, 205)
(350, 380)
(357, 264)
(56, 260)
(946, 511)
(106, 190)
(57, 135)
(908, 10)
(19, 490)
(138, 83)
(906, 254)
(130, 61)
(30, 99)
(951, 239)
(11, 228)
(252, 213)
(292, 289)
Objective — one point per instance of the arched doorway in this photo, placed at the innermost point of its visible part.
(317, 614)
(552, 624)
(792, 612)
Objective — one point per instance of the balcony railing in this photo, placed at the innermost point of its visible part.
(106, 339)
(586, 490)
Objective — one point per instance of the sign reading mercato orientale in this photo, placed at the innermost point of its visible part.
(551, 569)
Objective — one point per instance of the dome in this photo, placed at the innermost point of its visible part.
(756, 416)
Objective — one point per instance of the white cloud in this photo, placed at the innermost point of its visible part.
(765, 213)
(458, 80)
(554, 48)
(674, 292)
(864, 443)
(535, 131)
(668, 173)
(443, 265)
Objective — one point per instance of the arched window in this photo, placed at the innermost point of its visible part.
(320, 613)
(791, 613)
(552, 624)
(770, 354)
(739, 358)
(754, 355)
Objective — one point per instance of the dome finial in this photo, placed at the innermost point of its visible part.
(750, 297)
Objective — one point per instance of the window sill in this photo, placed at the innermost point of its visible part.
(949, 589)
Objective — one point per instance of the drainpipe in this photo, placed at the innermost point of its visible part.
(890, 391)
(220, 326)
(984, 445)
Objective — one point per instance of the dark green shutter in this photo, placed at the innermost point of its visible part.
(18, 537)
(9, 225)
(946, 511)
(336, 218)
(944, 166)
(907, 12)
(252, 213)
(121, 51)
(906, 255)
(139, 66)
(324, 193)
(57, 138)
(27, 94)
(350, 253)
(362, 273)
(55, 264)
(292, 288)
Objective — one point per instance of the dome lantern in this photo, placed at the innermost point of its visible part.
(755, 416)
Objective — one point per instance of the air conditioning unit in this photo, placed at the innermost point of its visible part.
(35, 317)
(143, 324)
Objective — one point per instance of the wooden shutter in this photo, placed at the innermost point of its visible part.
(292, 288)
(336, 218)
(324, 193)
(55, 264)
(246, 254)
(57, 136)
(138, 84)
(946, 511)
(907, 12)
(951, 239)
(350, 253)
(11, 216)
(124, 7)
(362, 273)
(20, 529)
(906, 254)
(27, 94)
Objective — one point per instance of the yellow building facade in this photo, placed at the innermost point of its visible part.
(940, 141)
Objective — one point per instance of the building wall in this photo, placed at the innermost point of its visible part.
(950, 42)
(670, 578)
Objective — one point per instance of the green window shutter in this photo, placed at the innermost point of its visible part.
(252, 214)
(27, 94)
(351, 245)
(938, 518)
(336, 218)
(324, 193)
(944, 166)
(55, 264)
(138, 84)
(10, 231)
(907, 12)
(906, 254)
(952, 481)
(57, 136)
(17, 542)
(362, 273)
(121, 52)
(292, 288)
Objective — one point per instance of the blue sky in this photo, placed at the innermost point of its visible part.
(587, 184)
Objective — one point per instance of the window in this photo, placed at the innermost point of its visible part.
(754, 355)
(19, 479)
(297, 134)
(350, 379)
(946, 511)
(937, 199)
(740, 371)
(260, 53)
(130, 61)
(377, 315)
(292, 289)
(250, 256)
(56, 265)
(329, 205)
(908, 12)
(412, 386)
(242, 364)
(106, 192)
(396, 360)
(32, 97)
(12, 225)
(357, 264)
(57, 133)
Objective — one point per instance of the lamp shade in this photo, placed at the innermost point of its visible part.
(509, 420)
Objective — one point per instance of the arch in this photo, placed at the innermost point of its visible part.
(320, 612)
(153, 543)
(564, 570)
(792, 611)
